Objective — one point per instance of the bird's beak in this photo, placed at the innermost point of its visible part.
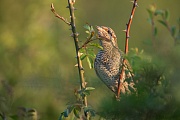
(99, 29)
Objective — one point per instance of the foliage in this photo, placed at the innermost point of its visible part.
(165, 16)
(78, 108)
(153, 99)
(81, 96)
(36, 56)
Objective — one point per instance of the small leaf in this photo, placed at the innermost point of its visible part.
(155, 31)
(96, 45)
(70, 108)
(86, 26)
(162, 22)
(86, 93)
(166, 15)
(89, 49)
(91, 28)
(89, 109)
(83, 56)
(82, 50)
(92, 113)
(89, 88)
(90, 62)
(66, 113)
(92, 55)
(173, 30)
(159, 12)
(87, 32)
(150, 14)
(61, 116)
(77, 112)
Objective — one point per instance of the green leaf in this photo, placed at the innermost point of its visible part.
(173, 30)
(150, 14)
(91, 54)
(91, 29)
(77, 112)
(86, 93)
(87, 32)
(166, 15)
(96, 45)
(155, 31)
(162, 22)
(82, 50)
(90, 62)
(83, 56)
(86, 26)
(89, 88)
(61, 116)
(159, 12)
(89, 49)
(66, 113)
(90, 110)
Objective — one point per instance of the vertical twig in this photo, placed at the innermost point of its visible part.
(153, 32)
(75, 36)
(128, 26)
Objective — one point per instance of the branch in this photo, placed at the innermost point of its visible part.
(87, 41)
(58, 16)
(76, 43)
(79, 62)
(128, 26)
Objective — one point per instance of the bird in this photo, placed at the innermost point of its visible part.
(108, 63)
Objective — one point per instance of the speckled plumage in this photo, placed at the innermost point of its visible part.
(109, 61)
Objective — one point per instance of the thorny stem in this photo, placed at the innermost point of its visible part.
(75, 36)
(128, 26)
(58, 16)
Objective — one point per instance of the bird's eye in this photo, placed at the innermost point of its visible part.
(109, 32)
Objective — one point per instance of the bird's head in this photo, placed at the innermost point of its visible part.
(106, 34)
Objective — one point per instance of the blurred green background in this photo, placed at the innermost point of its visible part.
(37, 54)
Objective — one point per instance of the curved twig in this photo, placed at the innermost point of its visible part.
(128, 26)
(58, 16)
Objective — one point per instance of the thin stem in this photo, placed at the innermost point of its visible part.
(169, 29)
(58, 16)
(87, 41)
(75, 36)
(153, 32)
(128, 26)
